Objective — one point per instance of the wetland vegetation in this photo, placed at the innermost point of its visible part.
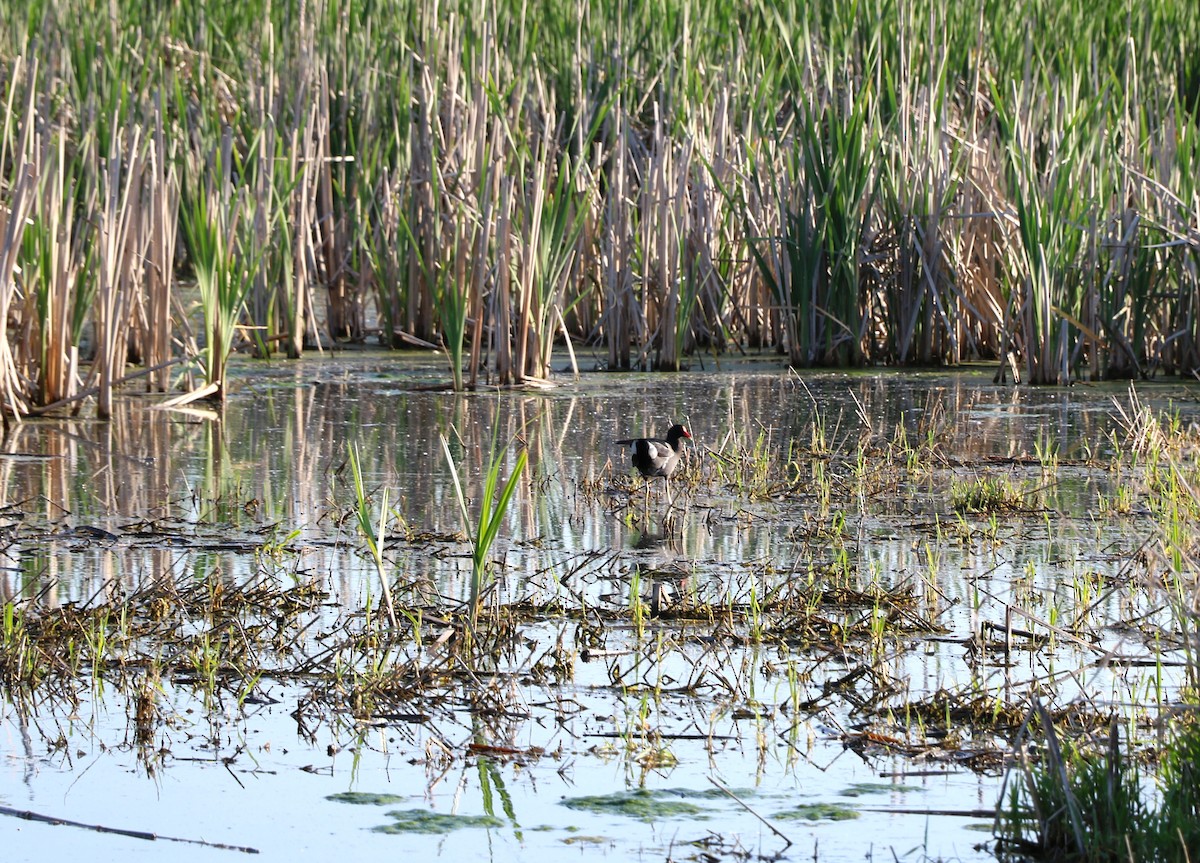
(280, 591)
(845, 183)
(840, 621)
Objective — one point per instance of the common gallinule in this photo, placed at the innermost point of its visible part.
(654, 456)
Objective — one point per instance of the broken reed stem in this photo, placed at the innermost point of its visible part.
(41, 410)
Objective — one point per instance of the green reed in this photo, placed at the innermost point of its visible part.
(1089, 806)
(374, 533)
(494, 502)
(452, 299)
(212, 245)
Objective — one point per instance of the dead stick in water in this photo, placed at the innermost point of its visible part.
(739, 802)
(119, 831)
(40, 410)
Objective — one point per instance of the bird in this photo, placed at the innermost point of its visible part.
(657, 456)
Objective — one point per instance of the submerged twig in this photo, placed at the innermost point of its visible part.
(741, 803)
(119, 831)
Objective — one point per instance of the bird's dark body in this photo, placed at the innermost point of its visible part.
(656, 456)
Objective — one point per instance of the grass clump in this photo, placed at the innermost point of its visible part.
(987, 494)
(1077, 806)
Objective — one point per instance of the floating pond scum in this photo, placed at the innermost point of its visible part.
(832, 642)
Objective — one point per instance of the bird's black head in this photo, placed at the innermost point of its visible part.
(675, 432)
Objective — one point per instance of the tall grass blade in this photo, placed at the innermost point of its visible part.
(493, 505)
(373, 532)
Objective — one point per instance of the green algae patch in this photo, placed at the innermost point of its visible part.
(366, 798)
(859, 789)
(711, 793)
(423, 821)
(818, 812)
(641, 804)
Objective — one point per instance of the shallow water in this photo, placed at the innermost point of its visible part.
(264, 497)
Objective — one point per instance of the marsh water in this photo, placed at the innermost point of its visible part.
(845, 603)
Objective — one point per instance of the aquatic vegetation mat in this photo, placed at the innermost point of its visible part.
(860, 789)
(366, 798)
(641, 804)
(818, 812)
(422, 821)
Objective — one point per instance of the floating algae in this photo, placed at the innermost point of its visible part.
(366, 798)
(818, 812)
(858, 789)
(641, 804)
(422, 821)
